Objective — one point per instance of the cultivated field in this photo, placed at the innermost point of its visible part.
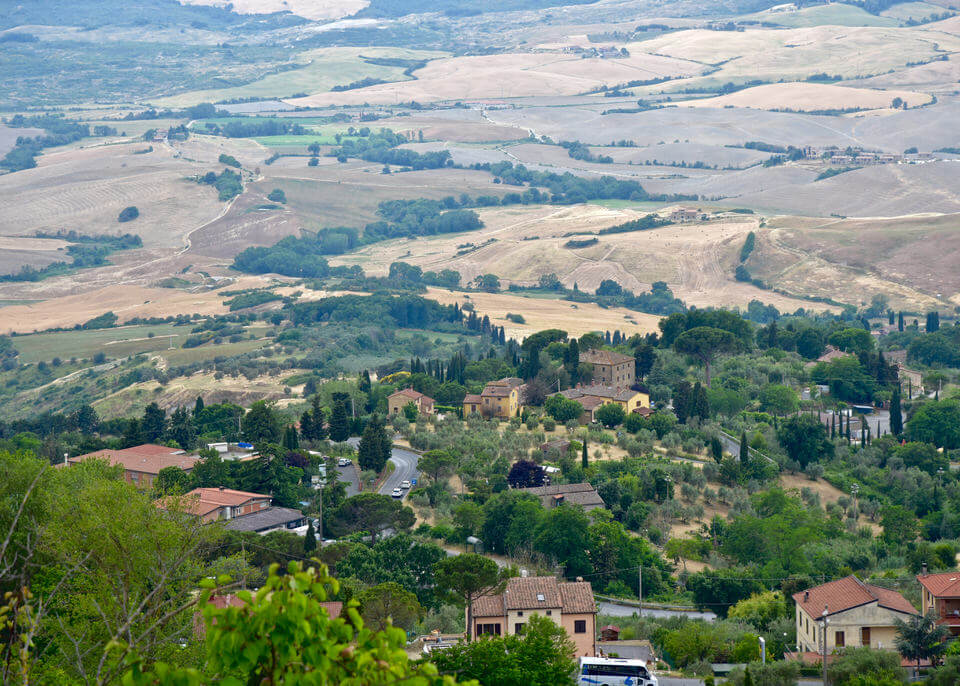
(908, 258)
(309, 9)
(811, 97)
(541, 313)
(520, 244)
(510, 75)
(795, 54)
(322, 69)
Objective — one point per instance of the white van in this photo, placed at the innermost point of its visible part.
(612, 671)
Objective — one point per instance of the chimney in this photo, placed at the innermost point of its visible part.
(806, 596)
(220, 487)
(923, 569)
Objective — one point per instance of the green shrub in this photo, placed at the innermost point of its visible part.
(128, 214)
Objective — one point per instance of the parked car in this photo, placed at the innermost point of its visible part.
(397, 493)
(405, 484)
(343, 462)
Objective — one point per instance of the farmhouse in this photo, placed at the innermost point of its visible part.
(857, 614)
(141, 464)
(682, 215)
(594, 396)
(569, 604)
(582, 494)
(397, 401)
(269, 519)
(502, 399)
(611, 368)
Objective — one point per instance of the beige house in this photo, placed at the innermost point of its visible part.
(594, 396)
(857, 614)
(568, 604)
(611, 368)
(582, 494)
(398, 400)
(142, 463)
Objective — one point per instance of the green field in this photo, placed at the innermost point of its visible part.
(291, 141)
(321, 70)
(641, 206)
(208, 352)
(118, 342)
(823, 15)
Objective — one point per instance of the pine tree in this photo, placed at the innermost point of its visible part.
(682, 401)
(363, 383)
(896, 412)
(374, 449)
(181, 428)
(584, 462)
(310, 540)
(198, 407)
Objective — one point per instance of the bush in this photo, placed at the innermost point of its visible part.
(549, 424)
(128, 214)
(277, 195)
(229, 160)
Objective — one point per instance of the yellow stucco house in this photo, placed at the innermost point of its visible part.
(502, 399)
(594, 396)
(857, 614)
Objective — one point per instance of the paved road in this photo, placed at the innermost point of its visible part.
(616, 610)
(405, 468)
(348, 475)
(405, 463)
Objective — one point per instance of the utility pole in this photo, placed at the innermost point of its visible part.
(640, 587)
(823, 635)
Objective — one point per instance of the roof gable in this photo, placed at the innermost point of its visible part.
(847, 593)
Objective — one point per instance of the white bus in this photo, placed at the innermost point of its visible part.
(611, 671)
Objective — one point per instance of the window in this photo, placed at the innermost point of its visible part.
(520, 613)
(580, 626)
(518, 628)
(492, 629)
(865, 637)
(549, 613)
(839, 639)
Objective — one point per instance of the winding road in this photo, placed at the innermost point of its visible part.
(405, 469)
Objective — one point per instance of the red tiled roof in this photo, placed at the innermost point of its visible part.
(412, 394)
(470, 398)
(604, 357)
(147, 459)
(493, 391)
(849, 592)
(524, 593)
(943, 585)
(225, 496)
(577, 597)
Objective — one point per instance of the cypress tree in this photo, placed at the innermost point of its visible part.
(583, 458)
(744, 450)
(290, 439)
(701, 405)
(890, 317)
(339, 419)
(896, 412)
(833, 426)
(198, 407)
(310, 540)
(900, 321)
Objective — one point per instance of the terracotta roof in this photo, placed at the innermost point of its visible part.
(582, 494)
(525, 593)
(497, 391)
(599, 391)
(943, 585)
(472, 398)
(849, 592)
(412, 394)
(832, 354)
(604, 357)
(225, 496)
(148, 458)
(577, 597)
